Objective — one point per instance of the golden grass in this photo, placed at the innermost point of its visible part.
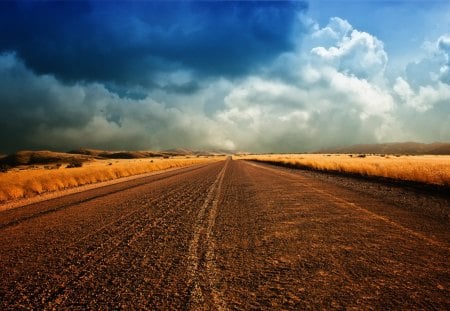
(425, 169)
(30, 182)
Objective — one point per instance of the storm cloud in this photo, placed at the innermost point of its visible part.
(52, 114)
(251, 76)
(130, 43)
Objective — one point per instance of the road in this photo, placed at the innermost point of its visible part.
(227, 235)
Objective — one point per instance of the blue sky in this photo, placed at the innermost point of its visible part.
(403, 25)
(264, 76)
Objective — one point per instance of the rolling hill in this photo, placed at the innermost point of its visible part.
(413, 148)
(82, 155)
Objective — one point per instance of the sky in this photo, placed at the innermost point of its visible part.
(256, 76)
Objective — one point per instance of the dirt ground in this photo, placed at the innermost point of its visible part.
(229, 235)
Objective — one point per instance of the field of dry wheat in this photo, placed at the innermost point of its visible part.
(35, 180)
(425, 169)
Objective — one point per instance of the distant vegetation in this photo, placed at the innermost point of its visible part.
(28, 173)
(117, 154)
(40, 158)
(394, 148)
(34, 180)
(75, 163)
(424, 169)
(76, 158)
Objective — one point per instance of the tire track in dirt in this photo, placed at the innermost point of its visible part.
(139, 228)
(80, 259)
(283, 245)
(125, 217)
(347, 204)
(135, 228)
(203, 227)
(230, 235)
(131, 222)
(15, 217)
(211, 269)
(166, 260)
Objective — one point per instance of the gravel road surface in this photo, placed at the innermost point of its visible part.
(228, 235)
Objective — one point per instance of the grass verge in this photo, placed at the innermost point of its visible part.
(30, 182)
(433, 170)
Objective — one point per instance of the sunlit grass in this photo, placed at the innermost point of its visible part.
(37, 180)
(425, 169)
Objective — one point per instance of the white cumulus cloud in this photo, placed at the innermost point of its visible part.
(349, 50)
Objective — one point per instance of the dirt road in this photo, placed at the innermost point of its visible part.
(228, 235)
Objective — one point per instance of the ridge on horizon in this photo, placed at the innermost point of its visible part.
(409, 147)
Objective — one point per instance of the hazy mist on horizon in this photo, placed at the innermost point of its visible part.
(259, 76)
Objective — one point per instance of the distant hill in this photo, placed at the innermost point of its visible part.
(394, 148)
(41, 157)
(207, 152)
(117, 154)
(144, 154)
(83, 155)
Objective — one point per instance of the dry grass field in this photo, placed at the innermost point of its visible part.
(28, 181)
(425, 169)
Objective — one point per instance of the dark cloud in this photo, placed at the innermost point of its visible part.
(29, 103)
(183, 88)
(41, 112)
(131, 42)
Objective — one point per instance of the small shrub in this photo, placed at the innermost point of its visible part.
(74, 163)
(4, 168)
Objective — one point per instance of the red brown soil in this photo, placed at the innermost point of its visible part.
(229, 235)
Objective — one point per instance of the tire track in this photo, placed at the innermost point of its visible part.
(343, 203)
(203, 227)
(283, 246)
(125, 235)
(211, 269)
(138, 182)
(179, 212)
(230, 236)
(122, 218)
(100, 252)
(80, 257)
